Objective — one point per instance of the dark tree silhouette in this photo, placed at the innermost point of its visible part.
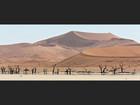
(122, 68)
(26, 71)
(17, 71)
(102, 68)
(45, 71)
(34, 70)
(114, 69)
(3, 70)
(11, 70)
(57, 71)
(67, 71)
(53, 71)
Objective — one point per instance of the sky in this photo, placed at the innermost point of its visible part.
(10, 34)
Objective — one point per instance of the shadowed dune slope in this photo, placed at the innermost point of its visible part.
(129, 54)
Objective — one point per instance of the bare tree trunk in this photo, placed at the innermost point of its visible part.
(53, 71)
(34, 71)
(17, 70)
(45, 71)
(3, 70)
(11, 70)
(26, 71)
(122, 68)
(57, 71)
(69, 71)
(102, 68)
(114, 69)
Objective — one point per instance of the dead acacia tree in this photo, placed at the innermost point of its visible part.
(17, 70)
(69, 71)
(53, 71)
(45, 71)
(3, 70)
(66, 71)
(26, 71)
(114, 69)
(34, 70)
(102, 68)
(122, 68)
(57, 71)
(11, 70)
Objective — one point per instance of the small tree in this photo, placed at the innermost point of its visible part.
(45, 71)
(122, 68)
(11, 70)
(34, 70)
(17, 71)
(57, 71)
(102, 68)
(114, 69)
(26, 71)
(3, 69)
(67, 72)
(53, 71)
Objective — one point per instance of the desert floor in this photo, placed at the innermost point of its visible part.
(69, 77)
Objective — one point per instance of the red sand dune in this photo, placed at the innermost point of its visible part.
(115, 51)
(21, 53)
(75, 39)
(116, 55)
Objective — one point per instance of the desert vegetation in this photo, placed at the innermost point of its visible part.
(55, 70)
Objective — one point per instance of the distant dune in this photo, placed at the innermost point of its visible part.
(82, 40)
(96, 36)
(70, 39)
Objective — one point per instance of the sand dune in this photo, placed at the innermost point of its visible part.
(69, 39)
(75, 39)
(82, 60)
(115, 51)
(33, 53)
(129, 55)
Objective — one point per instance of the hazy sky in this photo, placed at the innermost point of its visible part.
(31, 33)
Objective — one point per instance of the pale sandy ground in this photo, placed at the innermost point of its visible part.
(69, 77)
